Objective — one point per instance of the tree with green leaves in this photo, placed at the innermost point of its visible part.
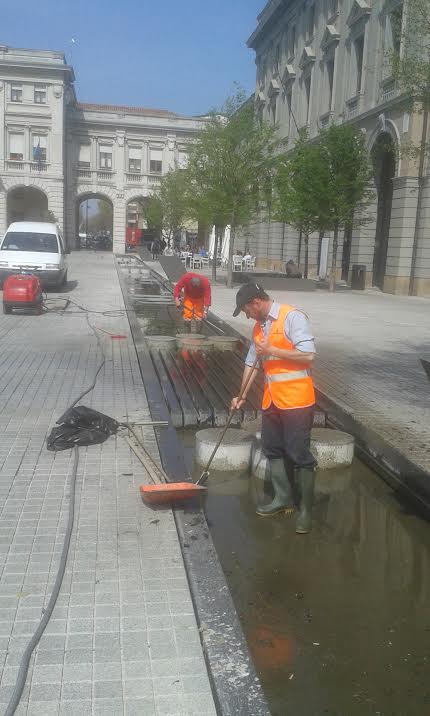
(348, 192)
(167, 209)
(152, 212)
(229, 161)
(301, 190)
(410, 65)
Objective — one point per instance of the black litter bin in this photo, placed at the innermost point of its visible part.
(358, 277)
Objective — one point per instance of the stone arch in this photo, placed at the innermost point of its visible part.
(27, 202)
(88, 192)
(106, 192)
(388, 127)
(133, 197)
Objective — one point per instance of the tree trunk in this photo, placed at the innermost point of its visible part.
(215, 256)
(306, 255)
(299, 252)
(332, 281)
(230, 257)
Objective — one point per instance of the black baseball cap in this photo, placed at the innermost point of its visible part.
(247, 293)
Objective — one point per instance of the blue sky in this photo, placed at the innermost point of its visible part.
(171, 54)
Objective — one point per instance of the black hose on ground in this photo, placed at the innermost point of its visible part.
(25, 661)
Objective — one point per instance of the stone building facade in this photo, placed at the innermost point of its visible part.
(56, 152)
(322, 61)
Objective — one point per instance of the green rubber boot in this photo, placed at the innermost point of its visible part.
(306, 483)
(283, 500)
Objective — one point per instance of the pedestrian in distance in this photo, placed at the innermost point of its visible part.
(193, 294)
(283, 343)
(155, 249)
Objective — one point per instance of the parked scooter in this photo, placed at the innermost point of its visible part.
(102, 241)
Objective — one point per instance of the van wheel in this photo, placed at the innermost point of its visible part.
(7, 309)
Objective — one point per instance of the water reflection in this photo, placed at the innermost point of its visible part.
(338, 622)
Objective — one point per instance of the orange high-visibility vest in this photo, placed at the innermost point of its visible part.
(287, 384)
(192, 308)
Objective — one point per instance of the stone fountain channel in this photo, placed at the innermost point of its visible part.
(337, 622)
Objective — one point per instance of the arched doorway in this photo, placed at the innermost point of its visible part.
(384, 164)
(137, 227)
(27, 203)
(95, 222)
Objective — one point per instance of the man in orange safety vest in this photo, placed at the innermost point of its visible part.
(284, 346)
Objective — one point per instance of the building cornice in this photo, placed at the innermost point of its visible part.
(65, 70)
(266, 19)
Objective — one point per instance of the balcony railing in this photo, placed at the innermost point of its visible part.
(133, 178)
(353, 106)
(388, 90)
(325, 119)
(98, 176)
(83, 173)
(16, 165)
(37, 167)
(105, 177)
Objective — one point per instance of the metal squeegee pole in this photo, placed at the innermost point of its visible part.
(230, 417)
(147, 460)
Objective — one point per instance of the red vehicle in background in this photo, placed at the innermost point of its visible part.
(133, 237)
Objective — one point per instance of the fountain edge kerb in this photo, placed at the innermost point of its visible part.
(235, 685)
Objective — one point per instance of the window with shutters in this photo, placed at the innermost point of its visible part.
(40, 94)
(155, 161)
(134, 159)
(308, 97)
(359, 51)
(330, 79)
(84, 161)
(16, 93)
(105, 156)
(39, 147)
(16, 146)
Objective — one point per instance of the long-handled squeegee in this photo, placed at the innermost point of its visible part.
(162, 493)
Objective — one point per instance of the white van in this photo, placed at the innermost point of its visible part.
(34, 247)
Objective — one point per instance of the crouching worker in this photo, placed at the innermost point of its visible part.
(282, 341)
(193, 293)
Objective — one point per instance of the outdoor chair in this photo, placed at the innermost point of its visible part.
(237, 263)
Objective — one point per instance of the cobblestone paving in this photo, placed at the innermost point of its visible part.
(123, 637)
(369, 345)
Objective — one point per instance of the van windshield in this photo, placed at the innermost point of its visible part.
(29, 241)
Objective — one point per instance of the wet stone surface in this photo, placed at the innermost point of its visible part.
(338, 622)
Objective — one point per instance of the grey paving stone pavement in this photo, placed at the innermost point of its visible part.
(369, 344)
(123, 638)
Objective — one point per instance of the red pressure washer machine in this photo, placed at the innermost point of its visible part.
(22, 291)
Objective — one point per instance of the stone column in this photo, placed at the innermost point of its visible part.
(401, 236)
(93, 159)
(422, 264)
(119, 212)
(119, 160)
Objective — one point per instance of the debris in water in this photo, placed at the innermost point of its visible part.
(291, 676)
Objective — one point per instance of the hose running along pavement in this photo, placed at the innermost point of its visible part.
(47, 613)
